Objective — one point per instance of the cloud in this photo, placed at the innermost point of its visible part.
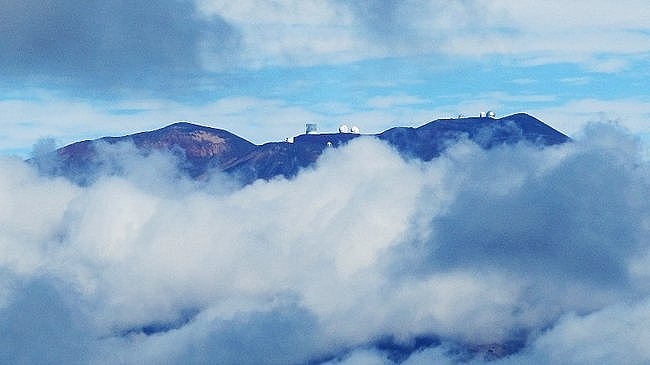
(526, 31)
(112, 44)
(354, 261)
(615, 334)
(491, 237)
(572, 116)
(179, 47)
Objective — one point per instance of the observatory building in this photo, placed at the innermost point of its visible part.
(488, 114)
(345, 129)
(311, 128)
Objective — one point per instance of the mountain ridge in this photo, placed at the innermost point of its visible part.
(203, 149)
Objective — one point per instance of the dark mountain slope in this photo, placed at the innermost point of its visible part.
(429, 140)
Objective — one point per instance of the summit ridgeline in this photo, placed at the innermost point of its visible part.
(201, 149)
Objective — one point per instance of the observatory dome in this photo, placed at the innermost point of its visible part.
(491, 114)
(344, 128)
(355, 129)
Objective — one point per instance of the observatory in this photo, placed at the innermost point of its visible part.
(311, 128)
(344, 128)
(488, 114)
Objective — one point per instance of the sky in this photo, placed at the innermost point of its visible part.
(547, 248)
(73, 70)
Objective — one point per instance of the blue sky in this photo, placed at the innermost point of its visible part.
(261, 69)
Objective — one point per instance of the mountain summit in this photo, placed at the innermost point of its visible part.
(203, 149)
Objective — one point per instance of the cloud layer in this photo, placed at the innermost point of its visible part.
(122, 45)
(599, 35)
(544, 248)
(113, 44)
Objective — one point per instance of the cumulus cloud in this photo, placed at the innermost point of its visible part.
(579, 32)
(110, 44)
(615, 334)
(123, 43)
(181, 47)
(365, 258)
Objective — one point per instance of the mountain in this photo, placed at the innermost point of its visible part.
(200, 149)
(428, 141)
(203, 149)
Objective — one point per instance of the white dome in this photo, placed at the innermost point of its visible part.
(344, 128)
(354, 129)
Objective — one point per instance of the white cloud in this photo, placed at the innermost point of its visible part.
(572, 116)
(33, 208)
(616, 334)
(472, 247)
(302, 33)
(292, 32)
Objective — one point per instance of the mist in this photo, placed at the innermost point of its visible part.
(543, 250)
